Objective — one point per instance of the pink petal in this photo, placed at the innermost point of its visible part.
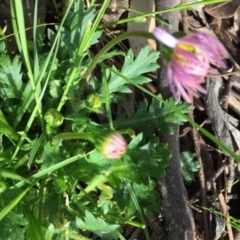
(186, 78)
(171, 82)
(182, 91)
(165, 37)
(201, 89)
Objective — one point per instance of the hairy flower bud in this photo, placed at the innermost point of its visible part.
(53, 118)
(111, 144)
(93, 101)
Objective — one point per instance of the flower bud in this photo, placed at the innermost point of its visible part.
(111, 144)
(53, 118)
(93, 101)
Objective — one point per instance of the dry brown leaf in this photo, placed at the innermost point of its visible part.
(235, 133)
(236, 20)
(223, 10)
(115, 10)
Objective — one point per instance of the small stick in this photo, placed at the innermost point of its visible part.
(225, 212)
(223, 74)
(198, 145)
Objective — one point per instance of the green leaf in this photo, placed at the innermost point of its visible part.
(135, 141)
(95, 224)
(13, 203)
(11, 84)
(49, 232)
(10, 73)
(34, 227)
(60, 184)
(141, 162)
(2, 47)
(133, 69)
(106, 205)
(188, 165)
(11, 227)
(9, 174)
(73, 30)
(147, 195)
(12, 87)
(1, 145)
(52, 204)
(50, 156)
(154, 116)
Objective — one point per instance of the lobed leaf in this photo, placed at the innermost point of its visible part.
(133, 68)
(95, 225)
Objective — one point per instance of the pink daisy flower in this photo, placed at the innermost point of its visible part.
(190, 60)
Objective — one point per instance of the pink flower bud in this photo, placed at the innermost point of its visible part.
(111, 144)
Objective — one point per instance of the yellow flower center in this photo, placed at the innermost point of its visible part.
(187, 47)
(179, 57)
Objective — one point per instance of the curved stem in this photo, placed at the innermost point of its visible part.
(73, 135)
(128, 131)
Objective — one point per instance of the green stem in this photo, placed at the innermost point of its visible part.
(19, 25)
(107, 99)
(152, 14)
(73, 135)
(68, 85)
(128, 131)
(86, 136)
(136, 224)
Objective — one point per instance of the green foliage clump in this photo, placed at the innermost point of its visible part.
(55, 188)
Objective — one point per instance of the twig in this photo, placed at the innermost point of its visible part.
(225, 211)
(231, 176)
(199, 151)
(223, 74)
(185, 20)
(212, 179)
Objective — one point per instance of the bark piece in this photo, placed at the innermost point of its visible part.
(223, 10)
(223, 124)
(178, 215)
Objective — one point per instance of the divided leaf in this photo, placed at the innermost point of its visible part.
(95, 225)
(154, 116)
(11, 84)
(134, 70)
(11, 226)
(75, 26)
(142, 162)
